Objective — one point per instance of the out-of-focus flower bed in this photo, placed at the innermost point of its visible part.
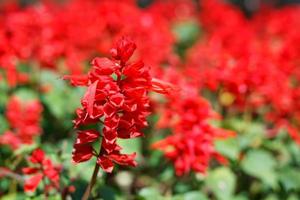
(178, 100)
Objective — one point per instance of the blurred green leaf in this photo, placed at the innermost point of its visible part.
(194, 195)
(290, 178)
(252, 135)
(61, 99)
(187, 32)
(3, 124)
(221, 182)
(260, 164)
(25, 149)
(131, 146)
(150, 193)
(26, 94)
(271, 197)
(107, 193)
(293, 197)
(13, 196)
(228, 147)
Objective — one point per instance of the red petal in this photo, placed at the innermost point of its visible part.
(90, 95)
(162, 87)
(82, 153)
(133, 70)
(108, 145)
(124, 159)
(37, 156)
(109, 110)
(124, 49)
(86, 136)
(32, 183)
(117, 100)
(29, 170)
(52, 174)
(111, 123)
(110, 135)
(77, 80)
(106, 164)
(104, 66)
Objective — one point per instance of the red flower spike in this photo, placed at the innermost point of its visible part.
(117, 97)
(44, 169)
(24, 119)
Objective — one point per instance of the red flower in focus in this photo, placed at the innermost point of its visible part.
(116, 96)
(24, 119)
(42, 169)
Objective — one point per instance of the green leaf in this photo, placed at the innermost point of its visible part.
(61, 99)
(252, 135)
(271, 197)
(229, 148)
(290, 179)
(131, 146)
(260, 164)
(26, 94)
(187, 32)
(107, 193)
(3, 124)
(221, 182)
(194, 195)
(150, 193)
(25, 149)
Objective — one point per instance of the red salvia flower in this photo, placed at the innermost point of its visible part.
(24, 120)
(116, 96)
(42, 168)
(187, 114)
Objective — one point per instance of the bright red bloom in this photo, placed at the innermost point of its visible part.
(42, 168)
(24, 120)
(116, 96)
(191, 144)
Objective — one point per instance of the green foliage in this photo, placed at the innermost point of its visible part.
(260, 164)
(221, 182)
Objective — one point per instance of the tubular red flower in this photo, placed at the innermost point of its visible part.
(24, 120)
(42, 168)
(116, 96)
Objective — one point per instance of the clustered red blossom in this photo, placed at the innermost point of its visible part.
(116, 97)
(24, 121)
(42, 169)
(48, 34)
(253, 61)
(188, 115)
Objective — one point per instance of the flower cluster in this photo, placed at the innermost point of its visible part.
(24, 120)
(58, 31)
(247, 61)
(116, 97)
(188, 115)
(42, 169)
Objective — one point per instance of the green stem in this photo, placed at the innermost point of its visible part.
(91, 184)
